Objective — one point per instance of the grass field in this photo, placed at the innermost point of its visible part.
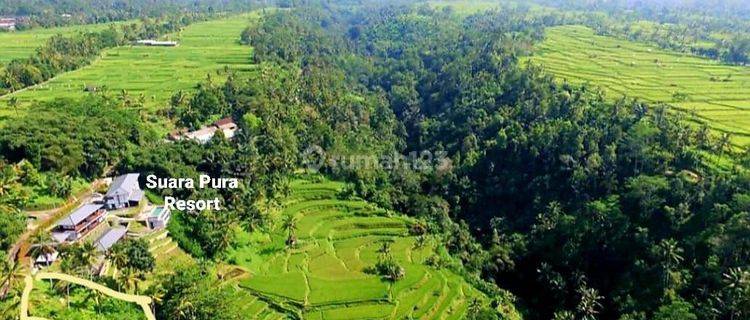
(465, 7)
(704, 90)
(154, 72)
(22, 44)
(170, 256)
(324, 276)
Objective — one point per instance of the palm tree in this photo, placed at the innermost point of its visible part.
(737, 290)
(703, 137)
(11, 305)
(11, 273)
(118, 258)
(63, 287)
(723, 143)
(420, 243)
(385, 248)
(42, 245)
(184, 309)
(670, 256)
(290, 225)
(589, 305)
(78, 259)
(128, 280)
(96, 295)
(88, 256)
(8, 179)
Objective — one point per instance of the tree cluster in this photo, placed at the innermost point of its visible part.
(582, 206)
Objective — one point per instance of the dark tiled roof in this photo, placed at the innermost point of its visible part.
(224, 121)
(79, 215)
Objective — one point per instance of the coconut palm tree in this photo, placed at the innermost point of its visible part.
(11, 274)
(63, 287)
(420, 242)
(724, 143)
(126, 279)
(118, 258)
(670, 256)
(290, 225)
(88, 257)
(129, 279)
(42, 245)
(385, 248)
(737, 293)
(78, 259)
(11, 304)
(589, 305)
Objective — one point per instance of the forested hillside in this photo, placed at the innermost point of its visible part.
(583, 207)
(48, 13)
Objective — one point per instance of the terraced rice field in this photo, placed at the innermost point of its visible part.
(169, 256)
(704, 90)
(156, 73)
(324, 276)
(22, 44)
(465, 7)
(166, 252)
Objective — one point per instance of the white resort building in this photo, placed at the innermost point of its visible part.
(156, 43)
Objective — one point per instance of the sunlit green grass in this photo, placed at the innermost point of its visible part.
(326, 275)
(465, 7)
(704, 90)
(153, 73)
(22, 44)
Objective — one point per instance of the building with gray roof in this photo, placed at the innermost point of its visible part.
(109, 238)
(79, 222)
(123, 192)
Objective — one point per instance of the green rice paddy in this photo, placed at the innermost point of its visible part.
(704, 90)
(325, 276)
(153, 73)
(22, 44)
(464, 7)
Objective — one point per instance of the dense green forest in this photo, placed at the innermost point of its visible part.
(46, 13)
(582, 207)
(553, 197)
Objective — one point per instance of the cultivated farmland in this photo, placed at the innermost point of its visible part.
(325, 275)
(704, 90)
(155, 73)
(22, 44)
(465, 7)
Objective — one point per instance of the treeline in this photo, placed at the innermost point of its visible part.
(279, 116)
(75, 138)
(582, 207)
(50, 13)
(60, 54)
(12, 199)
